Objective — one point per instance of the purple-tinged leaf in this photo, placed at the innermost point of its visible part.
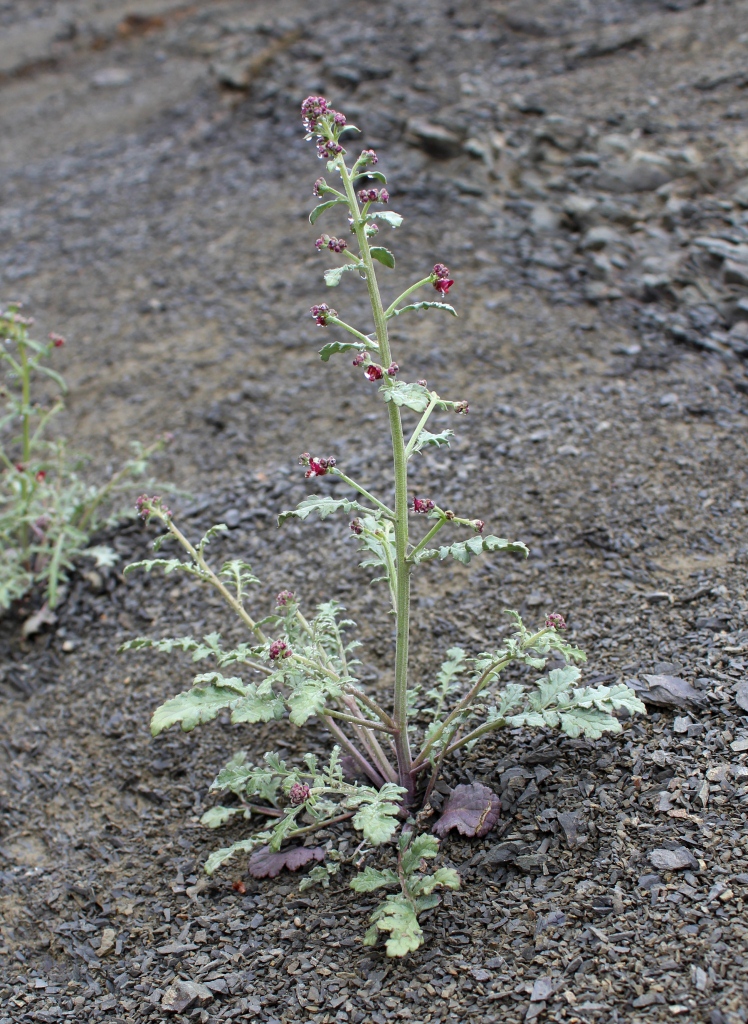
(265, 864)
(473, 810)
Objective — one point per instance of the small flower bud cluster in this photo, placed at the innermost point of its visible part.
(392, 369)
(147, 506)
(371, 195)
(356, 526)
(423, 383)
(279, 650)
(422, 505)
(312, 109)
(555, 621)
(321, 120)
(462, 408)
(57, 340)
(333, 244)
(359, 359)
(322, 313)
(368, 157)
(320, 187)
(317, 466)
(478, 524)
(285, 597)
(440, 279)
(298, 794)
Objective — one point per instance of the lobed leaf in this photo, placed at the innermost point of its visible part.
(428, 440)
(370, 879)
(265, 864)
(423, 847)
(377, 816)
(219, 857)
(398, 917)
(333, 347)
(423, 305)
(259, 704)
(334, 274)
(464, 550)
(446, 878)
(323, 505)
(412, 396)
(192, 708)
(472, 809)
(167, 564)
(214, 817)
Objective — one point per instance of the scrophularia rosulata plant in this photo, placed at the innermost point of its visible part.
(298, 666)
(48, 510)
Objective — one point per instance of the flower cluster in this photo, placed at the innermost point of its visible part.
(317, 466)
(321, 120)
(320, 187)
(298, 794)
(279, 650)
(322, 313)
(57, 340)
(462, 408)
(285, 597)
(367, 157)
(371, 195)
(555, 621)
(147, 506)
(422, 505)
(440, 278)
(333, 244)
(359, 359)
(312, 109)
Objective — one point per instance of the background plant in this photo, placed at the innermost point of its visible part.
(48, 511)
(303, 667)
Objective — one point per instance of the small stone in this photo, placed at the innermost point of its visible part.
(598, 237)
(741, 696)
(181, 996)
(542, 989)
(681, 724)
(739, 745)
(108, 938)
(673, 860)
(111, 78)
(434, 139)
(232, 518)
(735, 273)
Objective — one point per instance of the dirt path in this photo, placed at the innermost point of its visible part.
(583, 170)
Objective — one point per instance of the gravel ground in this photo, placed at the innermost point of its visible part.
(583, 170)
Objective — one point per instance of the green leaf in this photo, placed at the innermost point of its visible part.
(370, 879)
(334, 274)
(559, 681)
(167, 564)
(217, 679)
(413, 396)
(103, 554)
(377, 175)
(214, 817)
(239, 572)
(423, 847)
(383, 255)
(377, 817)
(464, 550)
(192, 708)
(397, 916)
(323, 505)
(423, 305)
(622, 696)
(212, 532)
(260, 704)
(589, 721)
(320, 875)
(388, 216)
(333, 347)
(307, 700)
(446, 878)
(319, 210)
(428, 440)
(219, 857)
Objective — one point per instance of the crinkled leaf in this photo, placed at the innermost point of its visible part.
(323, 505)
(334, 274)
(320, 875)
(370, 879)
(265, 864)
(209, 534)
(214, 817)
(412, 396)
(192, 708)
(333, 347)
(219, 857)
(589, 721)
(559, 680)
(259, 704)
(423, 847)
(464, 550)
(319, 210)
(446, 878)
(377, 814)
(424, 305)
(472, 809)
(388, 216)
(384, 256)
(428, 440)
(217, 679)
(307, 699)
(397, 916)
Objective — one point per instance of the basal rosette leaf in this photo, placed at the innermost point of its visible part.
(443, 878)
(259, 704)
(378, 810)
(370, 879)
(588, 721)
(423, 847)
(309, 698)
(216, 816)
(396, 916)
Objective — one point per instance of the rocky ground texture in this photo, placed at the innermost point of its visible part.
(582, 168)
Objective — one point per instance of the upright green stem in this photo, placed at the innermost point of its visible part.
(26, 436)
(402, 744)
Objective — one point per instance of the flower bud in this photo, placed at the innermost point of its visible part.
(440, 271)
(449, 514)
(392, 369)
(360, 358)
(279, 650)
(373, 372)
(368, 157)
(298, 793)
(322, 313)
(320, 187)
(41, 476)
(462, 408)
(285, 597)
(478, 524)
(312, 109)
(337, 244)
(384, 196)
(57, 340)
(356, 526)
(423, 383)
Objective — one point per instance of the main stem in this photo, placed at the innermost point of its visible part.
(402, 569)
(26, 438)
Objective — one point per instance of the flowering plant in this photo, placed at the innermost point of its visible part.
(47, 510)
(304, 667)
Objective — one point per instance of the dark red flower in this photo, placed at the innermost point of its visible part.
(40, 476)
(312, 109)
(279, 650)
(359, 359)
(392, 369)
(285, 597)
(440, 271)
(319, 186)
(356, 526)
(443, 285)
(317, 466)
(478, 524)
(555, 621)
(298, 793)
(322, 313)
(373, 372)
(57, 340)
(422, 505)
